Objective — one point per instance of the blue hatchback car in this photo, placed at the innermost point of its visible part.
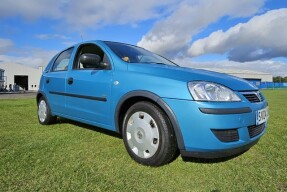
(158, 107)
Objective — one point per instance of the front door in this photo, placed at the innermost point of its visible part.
(89, 90)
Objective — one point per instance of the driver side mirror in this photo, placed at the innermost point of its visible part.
(89, 60)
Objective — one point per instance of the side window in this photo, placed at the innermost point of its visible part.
(62, 62)
(90, 48)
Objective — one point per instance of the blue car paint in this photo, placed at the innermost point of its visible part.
(167, 83)
(196, 126)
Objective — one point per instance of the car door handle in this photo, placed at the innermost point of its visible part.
(47, 80)
(70, 81)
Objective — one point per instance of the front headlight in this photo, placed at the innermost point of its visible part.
(207, 91)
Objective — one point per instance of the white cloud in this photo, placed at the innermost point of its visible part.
(89, 13)
(174, 33)
(30, 9)
(276, 68)
(5, 45)
(28, 61)
(263, 37)
(30, 56)
(178, 21)
(35, 59)
(69, 43)
(51, 36)
(100, 12)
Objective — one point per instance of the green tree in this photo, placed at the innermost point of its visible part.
(277, 79)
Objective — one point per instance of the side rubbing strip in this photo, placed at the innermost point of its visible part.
(225, 111)
(79, 96)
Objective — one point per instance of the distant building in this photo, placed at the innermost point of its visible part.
(1, 78)
(26, 77)
(257, 78)
(245, 74)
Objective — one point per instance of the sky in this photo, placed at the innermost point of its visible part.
(221, 34)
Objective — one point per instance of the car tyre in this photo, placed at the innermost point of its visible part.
(45, 116)
(148, 135)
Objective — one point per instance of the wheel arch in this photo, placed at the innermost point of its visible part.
(136, 96)
(38, 96)
(41, 94)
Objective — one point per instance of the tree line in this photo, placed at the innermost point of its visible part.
(279, 79)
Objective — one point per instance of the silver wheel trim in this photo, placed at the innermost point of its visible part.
(42, 111)
(142, 135)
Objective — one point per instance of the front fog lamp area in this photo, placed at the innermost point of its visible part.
(206, 91)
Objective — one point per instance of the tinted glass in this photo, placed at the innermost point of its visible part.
(62, 62)
(133, 54)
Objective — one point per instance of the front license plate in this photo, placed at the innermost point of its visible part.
(262, 115)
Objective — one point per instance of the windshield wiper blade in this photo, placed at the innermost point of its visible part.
(173, 64)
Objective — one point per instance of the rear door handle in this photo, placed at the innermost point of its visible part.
(70, 81)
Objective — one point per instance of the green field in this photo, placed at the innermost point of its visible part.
(73, 157)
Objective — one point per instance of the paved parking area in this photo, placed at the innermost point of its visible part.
(18, 95)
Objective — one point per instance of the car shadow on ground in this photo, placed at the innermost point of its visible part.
(61, 120)
(211, 161)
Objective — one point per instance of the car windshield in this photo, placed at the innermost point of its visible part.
(133, 54)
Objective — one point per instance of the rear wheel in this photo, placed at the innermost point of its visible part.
(148, 135)
(44, 113)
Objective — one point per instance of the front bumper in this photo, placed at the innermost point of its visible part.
(218, 153)
(198, 120)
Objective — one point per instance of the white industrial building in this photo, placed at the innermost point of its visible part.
(245, 74)
(254, 77)
(26, 77)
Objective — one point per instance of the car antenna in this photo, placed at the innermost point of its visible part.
(82, 37)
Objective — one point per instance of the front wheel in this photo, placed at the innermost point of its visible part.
(148, 135)
(44, 113)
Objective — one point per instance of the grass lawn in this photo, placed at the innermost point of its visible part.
(73, 157)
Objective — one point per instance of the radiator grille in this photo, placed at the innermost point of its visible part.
(253, 97)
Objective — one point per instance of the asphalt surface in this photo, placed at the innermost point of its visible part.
(25, 95)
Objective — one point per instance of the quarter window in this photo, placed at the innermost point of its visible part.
(62, 62)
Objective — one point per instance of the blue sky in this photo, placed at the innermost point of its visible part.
(246, 34)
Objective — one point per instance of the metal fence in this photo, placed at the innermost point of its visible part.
(271, 85)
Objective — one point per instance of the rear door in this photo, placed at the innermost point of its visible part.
(89, 89)
(55, 82)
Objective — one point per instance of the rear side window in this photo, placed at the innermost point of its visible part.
(62, 62)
